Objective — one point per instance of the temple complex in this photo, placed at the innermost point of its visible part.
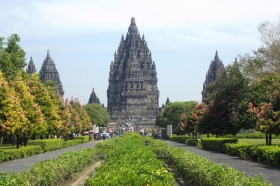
(132, 92)
(216, 66)
(93, 98)
(31, 67)
(48, 72)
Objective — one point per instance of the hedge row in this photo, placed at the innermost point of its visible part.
(84, 138)
(179, 138)
(52, 172)
(39, 146)
(47, 144)
(197, 170)
(243, 136)
(12, 154)
(216, 144)
(260, 153)
(129, 161)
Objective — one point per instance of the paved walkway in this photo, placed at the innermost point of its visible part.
(24, 164)
(271, 174)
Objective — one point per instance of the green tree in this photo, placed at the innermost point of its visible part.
(222, 102)
(172, 112)
(66, 116)
(98, 115)
(12, 57)
(84, 119)
(35, 122)
(49, 106)
(265, 104)
(11, 113)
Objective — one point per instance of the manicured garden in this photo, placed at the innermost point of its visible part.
(9, 152)
(132, 160)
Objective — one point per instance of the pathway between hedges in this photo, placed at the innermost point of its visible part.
(271, 174)
(24, 164)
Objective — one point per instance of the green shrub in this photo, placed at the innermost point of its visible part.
(197, 170)
(73, 142)
(260, 153)
(47, 144)
(179, 138)
(130, 161)
(192, 142)
(52, 172)
(85, 139)
(216, 144)
(237, 149)
(12, 154)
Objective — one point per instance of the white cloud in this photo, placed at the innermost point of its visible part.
(183, 36)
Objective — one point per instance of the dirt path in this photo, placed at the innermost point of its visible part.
(80, 178)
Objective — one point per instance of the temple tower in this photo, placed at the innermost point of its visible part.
(93, 98)
(215, 68)
(31, 67)
(48, 72)
(132, 92)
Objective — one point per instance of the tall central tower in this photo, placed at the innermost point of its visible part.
(132, 92)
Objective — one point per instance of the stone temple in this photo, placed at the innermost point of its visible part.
(132, 92)
(49, 72)
(31, 67)
(216, 66)
(93, 98)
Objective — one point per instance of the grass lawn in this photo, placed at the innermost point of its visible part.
(259, 141)
(7, 147)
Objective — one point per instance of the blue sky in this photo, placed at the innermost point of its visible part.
(182, 35)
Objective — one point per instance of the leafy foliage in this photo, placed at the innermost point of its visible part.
(12, 57)
(172, 112)
(222, 102)
(12, 115)
(34, 122)
(98, 115)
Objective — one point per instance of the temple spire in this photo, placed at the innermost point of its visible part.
(93, 98)
(215, 68)
(31, 67)
(216, 58)
(49, 72)
(132, 28)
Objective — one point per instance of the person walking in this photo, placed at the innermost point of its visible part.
(159, 134)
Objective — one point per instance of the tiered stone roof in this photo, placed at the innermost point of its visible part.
(132, 92)
(93, 98)
(215, 67)
(49, 72)
(31, 67)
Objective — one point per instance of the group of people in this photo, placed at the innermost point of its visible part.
(100, 136)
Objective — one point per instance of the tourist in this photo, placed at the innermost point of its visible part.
(159, 134)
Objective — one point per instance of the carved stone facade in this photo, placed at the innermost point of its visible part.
(216, 66)
(31, 67)
(93, 98)
(132, 92)
(48, 72)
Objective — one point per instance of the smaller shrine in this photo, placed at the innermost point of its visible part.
(93, 98)
(31, 67)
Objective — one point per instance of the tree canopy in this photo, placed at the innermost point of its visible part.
(98, 114)
(172, 112)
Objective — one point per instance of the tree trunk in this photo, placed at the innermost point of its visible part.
(217, 136)
(269, 140)
(1, 140)
(19, 141)
(266, 139)
(207, 135)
